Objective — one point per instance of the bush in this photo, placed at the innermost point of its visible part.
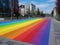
(58, 19)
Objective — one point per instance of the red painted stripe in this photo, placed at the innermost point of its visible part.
(27, 36)
(22, 36)
(39, 35)
(32, 35)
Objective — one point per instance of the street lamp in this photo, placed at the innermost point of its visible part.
(11, 7)
(4, 8)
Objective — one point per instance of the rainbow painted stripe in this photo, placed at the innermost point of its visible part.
(35, 30)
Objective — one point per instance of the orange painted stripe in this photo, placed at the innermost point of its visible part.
(17, 32)
(31, 31)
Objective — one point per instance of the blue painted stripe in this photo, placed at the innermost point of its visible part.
(45, 38)
(15, 21)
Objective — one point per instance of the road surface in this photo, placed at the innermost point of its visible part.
(32, 31)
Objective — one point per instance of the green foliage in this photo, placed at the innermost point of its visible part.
(28, 11)
(42, 14)
(37, 12)
(58, 19)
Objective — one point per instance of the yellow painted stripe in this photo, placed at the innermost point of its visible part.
(18, 31)
(14, 27)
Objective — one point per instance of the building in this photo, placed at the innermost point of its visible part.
(4, 8)
(15, 5)
(29, 9)
(8, 7)
(32, 9)
(19, 10)
(22, 10)
(58, 7)
(54, 13)
(37, 12)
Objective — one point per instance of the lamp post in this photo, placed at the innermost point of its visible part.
(11, 7)
(4, 9)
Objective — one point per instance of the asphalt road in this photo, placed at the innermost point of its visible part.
(34, 31)
(54, 34)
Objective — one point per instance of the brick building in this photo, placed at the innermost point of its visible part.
(58, 7)
(15, 5)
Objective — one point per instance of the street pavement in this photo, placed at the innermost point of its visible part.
(37, 31)
(52, 34)
(57, 31)
(34, 31)
(5, 41)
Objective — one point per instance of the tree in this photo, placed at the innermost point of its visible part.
(28, 11)
(16, 14)
(37, 12)
(42, 14)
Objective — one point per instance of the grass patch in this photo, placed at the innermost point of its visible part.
(58, 19)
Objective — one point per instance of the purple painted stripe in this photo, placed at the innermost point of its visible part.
(45, 38)
(39, 35)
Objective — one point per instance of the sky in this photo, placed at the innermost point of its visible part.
(44, 5)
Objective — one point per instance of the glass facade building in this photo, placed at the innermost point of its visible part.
(4, 8)
(7, 7)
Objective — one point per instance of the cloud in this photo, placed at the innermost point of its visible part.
(34, 2)
(46, 6)
(51, 0)
(42, 5)
(22, 3)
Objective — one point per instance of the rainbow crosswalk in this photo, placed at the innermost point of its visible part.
(34, 30)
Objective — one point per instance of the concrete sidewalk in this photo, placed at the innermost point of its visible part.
(57, 31)
(52, 40)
